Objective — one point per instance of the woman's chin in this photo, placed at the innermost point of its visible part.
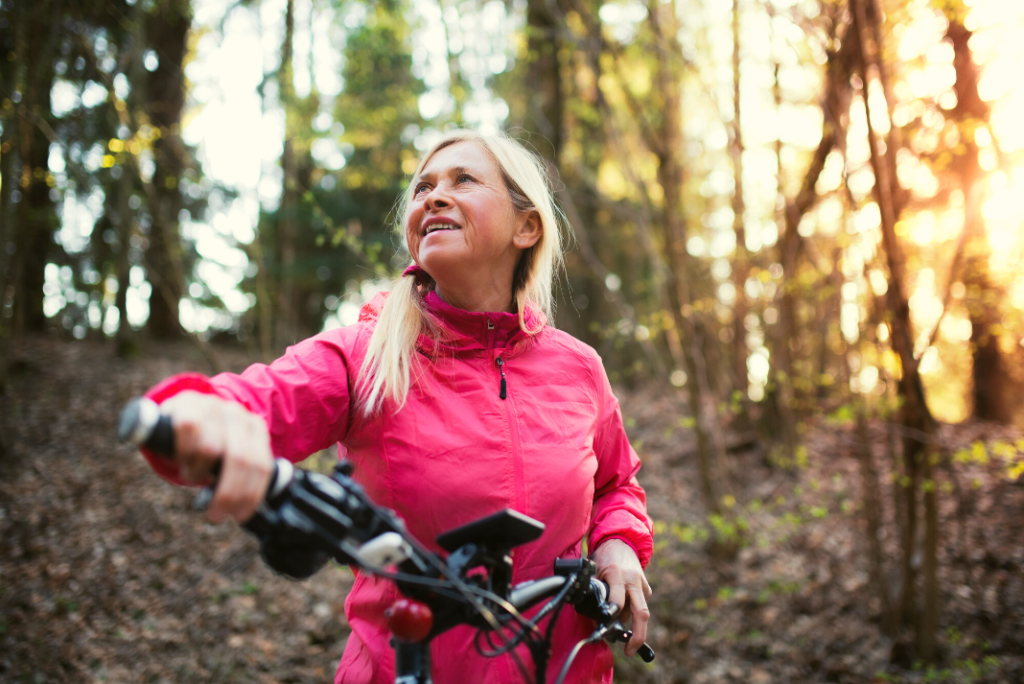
(440, 261)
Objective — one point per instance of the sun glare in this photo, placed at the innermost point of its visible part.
(997, 45)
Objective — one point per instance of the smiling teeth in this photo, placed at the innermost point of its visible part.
(441, 226)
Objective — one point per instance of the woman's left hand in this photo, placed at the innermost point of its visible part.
(618, 565)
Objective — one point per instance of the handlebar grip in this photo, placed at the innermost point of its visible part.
(645, 652)
(142, 424)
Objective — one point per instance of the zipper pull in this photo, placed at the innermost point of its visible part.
(501, 367)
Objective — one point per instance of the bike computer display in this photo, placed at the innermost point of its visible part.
(505, 529)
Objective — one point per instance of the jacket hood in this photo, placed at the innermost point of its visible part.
(458, 331)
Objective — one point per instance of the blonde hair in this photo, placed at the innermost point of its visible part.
(386, 370)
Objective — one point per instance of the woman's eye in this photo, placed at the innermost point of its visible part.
(464, 177)
(421, 187)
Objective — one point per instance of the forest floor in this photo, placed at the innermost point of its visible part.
(108, 575)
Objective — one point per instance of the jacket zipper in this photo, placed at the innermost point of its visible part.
(501, 367)
(521, 502)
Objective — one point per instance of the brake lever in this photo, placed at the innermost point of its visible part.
(617, 632)
(203, 499)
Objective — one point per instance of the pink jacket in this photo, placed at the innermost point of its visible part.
(554, 449)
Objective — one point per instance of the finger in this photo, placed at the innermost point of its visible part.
(198, 436)
(186, 431)
(246, 470)
(196, 469)
(616, 588)
(231, 494)
(185, 411)
(190, 471)
(626, 613)
(212, 428)
(648, 592)
(641, 616)
(262, 465)
(258, 467)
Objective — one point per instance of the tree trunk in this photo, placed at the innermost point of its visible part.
(264, 303)
(287, 224)
(789, 247)
(8, 183)
(740, 266)
(915, 416)
(603, 138)
(830, 307)
(8, 150)
(687, 323)
(873, 491)
(545, 104)
(780, 387)
(983, 297)
(927, 631)
(35, 215)
(875, 18)
(872, 505)
(167, 32)
(124, 340)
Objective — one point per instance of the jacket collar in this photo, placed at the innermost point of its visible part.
(460, 331)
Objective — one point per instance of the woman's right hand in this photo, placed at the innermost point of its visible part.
(208, 429)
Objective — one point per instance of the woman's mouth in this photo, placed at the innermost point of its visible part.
(434, 227)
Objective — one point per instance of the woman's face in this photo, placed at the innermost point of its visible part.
(461, 220)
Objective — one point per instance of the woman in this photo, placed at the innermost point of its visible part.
(453, 399)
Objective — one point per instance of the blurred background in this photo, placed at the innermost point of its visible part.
(798, 247)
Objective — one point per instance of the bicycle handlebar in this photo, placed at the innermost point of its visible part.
(307, 518)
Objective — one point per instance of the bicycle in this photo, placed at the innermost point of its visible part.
(308, 518)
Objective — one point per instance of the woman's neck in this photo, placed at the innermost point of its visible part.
(477, 302)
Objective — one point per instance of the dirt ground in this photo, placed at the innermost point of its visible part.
(108, 575)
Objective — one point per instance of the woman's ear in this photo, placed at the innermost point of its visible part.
(529, 231)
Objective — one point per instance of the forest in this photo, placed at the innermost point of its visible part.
(791, 236)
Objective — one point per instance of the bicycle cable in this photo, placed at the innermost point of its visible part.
(467, 592)
(554, 604)
(593, 638)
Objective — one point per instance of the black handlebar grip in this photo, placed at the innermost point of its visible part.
(162, 440)
(645, 652)
(143, 425)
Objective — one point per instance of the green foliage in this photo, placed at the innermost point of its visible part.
(778, 457)
(965, 671)
(65, 605)
(1007, 457)
(844, 416)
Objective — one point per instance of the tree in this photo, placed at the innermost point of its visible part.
(35, 216)
(740, 267)
(971, 114)
(167, 29)
(332, 225)
(9, 18)
(915, 416)
(545, 101)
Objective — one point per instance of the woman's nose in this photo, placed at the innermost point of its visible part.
(437, 198)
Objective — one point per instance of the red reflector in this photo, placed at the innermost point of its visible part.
(409, 620)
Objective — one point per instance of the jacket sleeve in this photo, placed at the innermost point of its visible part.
(620, 504)
(304, 396)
